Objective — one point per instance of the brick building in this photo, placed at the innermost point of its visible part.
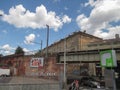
(15, 63)
(77, 41)
(20, 65)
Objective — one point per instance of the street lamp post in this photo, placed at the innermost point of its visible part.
(1, 15)
(47, 40)
(41, 47)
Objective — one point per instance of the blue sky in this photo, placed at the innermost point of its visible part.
(24, 21)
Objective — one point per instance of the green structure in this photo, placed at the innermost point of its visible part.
(108, 58)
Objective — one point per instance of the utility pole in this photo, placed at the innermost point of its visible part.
(47, 41)
(65, 64)
(41, 47)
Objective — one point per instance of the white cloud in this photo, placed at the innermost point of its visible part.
(112, 32)
(7, 49)
(25, 50)
(22, 18)
(1, 12)
(91, 3)
(28, 52)
(103, 13)
(66, 19)
(8, 52)
(29, 39)
(83, 22)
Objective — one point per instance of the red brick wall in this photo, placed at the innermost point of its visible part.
(50, 69)
(15, 63)
(21, 66)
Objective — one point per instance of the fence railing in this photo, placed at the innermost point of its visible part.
(48, 86)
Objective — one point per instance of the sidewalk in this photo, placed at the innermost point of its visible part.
(30, 80)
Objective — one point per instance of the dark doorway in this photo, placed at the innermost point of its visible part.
(98, 70)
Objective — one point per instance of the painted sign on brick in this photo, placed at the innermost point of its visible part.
(36, 62)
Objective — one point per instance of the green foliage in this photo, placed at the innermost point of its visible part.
(19, 50)
(1, 55)
(38, 53)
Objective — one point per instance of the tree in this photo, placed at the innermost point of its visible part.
(1, 55)
(38, 53)
(19, 50)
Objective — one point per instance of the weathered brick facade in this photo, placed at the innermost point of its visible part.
(20, 66)
(15, 63)
(77, 41)
(50, 69)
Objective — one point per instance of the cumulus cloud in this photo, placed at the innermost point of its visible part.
(25, 50)
(66, 19)
(7, 53)
(28, 52)
(1, 12)
(22, 18)
(29, 39)
(104, 12)
(7, 49)
(91, 3)
(112, 32)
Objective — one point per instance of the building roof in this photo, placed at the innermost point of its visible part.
(74, 34)
(105, 41)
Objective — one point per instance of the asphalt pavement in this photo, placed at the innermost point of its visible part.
(5, 79)
(25, 80)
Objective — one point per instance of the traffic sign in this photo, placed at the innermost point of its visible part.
(108, 58)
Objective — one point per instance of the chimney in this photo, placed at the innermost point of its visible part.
(117, 36)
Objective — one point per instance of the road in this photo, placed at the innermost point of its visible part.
(5, 79)
(27, 83)
(31, 80)
(25, 80)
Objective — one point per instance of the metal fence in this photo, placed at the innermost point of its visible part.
(52, 86)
